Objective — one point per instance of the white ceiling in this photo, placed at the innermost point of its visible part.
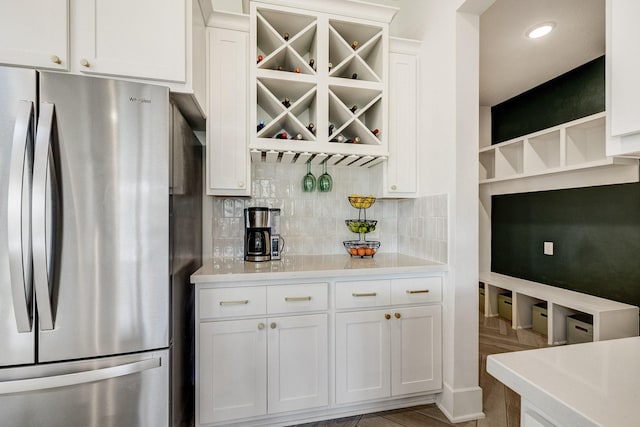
(511, 64)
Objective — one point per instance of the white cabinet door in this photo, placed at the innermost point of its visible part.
(232, 376)
(35, 33)
(298, 363)
(142, 38)
(362, 356)
(416, 349)
(623, 84)
(401, 169)
(228, 171)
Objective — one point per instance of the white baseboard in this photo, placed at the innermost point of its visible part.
(461, 405)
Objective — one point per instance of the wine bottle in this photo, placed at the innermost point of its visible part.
(375, 131)
(312, 63)
(285, 36)
(297, 70)
(338, 138)
(330, 66)
(286, 102)
(331, 127)
(354, 108)
(354, 140)
(312, 128)
(260, 58)
(260, 125)
(354, 45)
(298, 137)
(281, 135)
(354, 76)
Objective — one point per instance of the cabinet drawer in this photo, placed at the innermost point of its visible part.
(296, 298)
(227, 302)
(416, 290)
(367, 293)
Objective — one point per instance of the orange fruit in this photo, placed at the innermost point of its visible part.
(353, 251)
(368, 251)
(362, 251)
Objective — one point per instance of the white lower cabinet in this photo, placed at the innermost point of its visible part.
(257, 366)
(233, 370)
(388, 352)
(267, 354)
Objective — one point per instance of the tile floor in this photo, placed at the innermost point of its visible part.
(500, 404)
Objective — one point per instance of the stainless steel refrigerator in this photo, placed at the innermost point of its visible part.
(100, 199)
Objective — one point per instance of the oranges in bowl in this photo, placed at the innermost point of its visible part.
(361, 248)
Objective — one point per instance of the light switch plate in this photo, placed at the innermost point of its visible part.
(548, 248)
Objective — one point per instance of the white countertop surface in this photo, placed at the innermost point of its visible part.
(310, 266)
(592, 384)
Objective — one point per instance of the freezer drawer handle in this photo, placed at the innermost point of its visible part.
(20, 257)
(419, 291)
(66, 380)
(39, 221)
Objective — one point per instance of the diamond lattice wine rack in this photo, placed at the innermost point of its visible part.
(318, 87)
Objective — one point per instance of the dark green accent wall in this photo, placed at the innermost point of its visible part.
(596, 236)
(575, 94)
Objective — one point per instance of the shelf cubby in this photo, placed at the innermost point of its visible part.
(279, 22)
(487, 165)
(585, 142)
(542, 152)
(510, 159)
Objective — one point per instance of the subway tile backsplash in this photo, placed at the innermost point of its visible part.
(314, 223)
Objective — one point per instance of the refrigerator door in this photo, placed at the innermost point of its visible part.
(17, 125)
(101, 217)
(130, 390)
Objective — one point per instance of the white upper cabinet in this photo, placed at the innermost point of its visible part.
(228, 169)
(35, 33)
(143, 38)
(400, 171)
(623, 83)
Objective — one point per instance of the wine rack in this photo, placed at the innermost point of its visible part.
(319, 87)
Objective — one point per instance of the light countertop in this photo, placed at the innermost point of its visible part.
(592, 384)
(311, 266)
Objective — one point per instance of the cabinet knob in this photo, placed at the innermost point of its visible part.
(56, 59)
(261, 326)
(397, 315)
(387, 316)
(394, 187)
(241, 184)
(273, 325)
(85, 63)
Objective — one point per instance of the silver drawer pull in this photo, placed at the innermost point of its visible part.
(241, 302)
(307, 298)
(368, 294)
(418, 291)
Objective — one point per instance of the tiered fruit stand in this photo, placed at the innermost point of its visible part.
(361, 247)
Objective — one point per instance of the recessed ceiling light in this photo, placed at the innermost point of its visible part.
(540, 30)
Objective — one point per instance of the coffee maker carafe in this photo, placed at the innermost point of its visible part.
(257, 234)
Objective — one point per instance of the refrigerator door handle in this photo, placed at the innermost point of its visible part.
(76, 378)
(41, 223)
(19, 228)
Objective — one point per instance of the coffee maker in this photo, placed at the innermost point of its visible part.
(257, 234)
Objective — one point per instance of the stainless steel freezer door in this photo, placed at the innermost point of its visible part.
(107, 259)
(17, 101)
(130, 391)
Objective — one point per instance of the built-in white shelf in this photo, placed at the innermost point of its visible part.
(579, 144)
(611, 319)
